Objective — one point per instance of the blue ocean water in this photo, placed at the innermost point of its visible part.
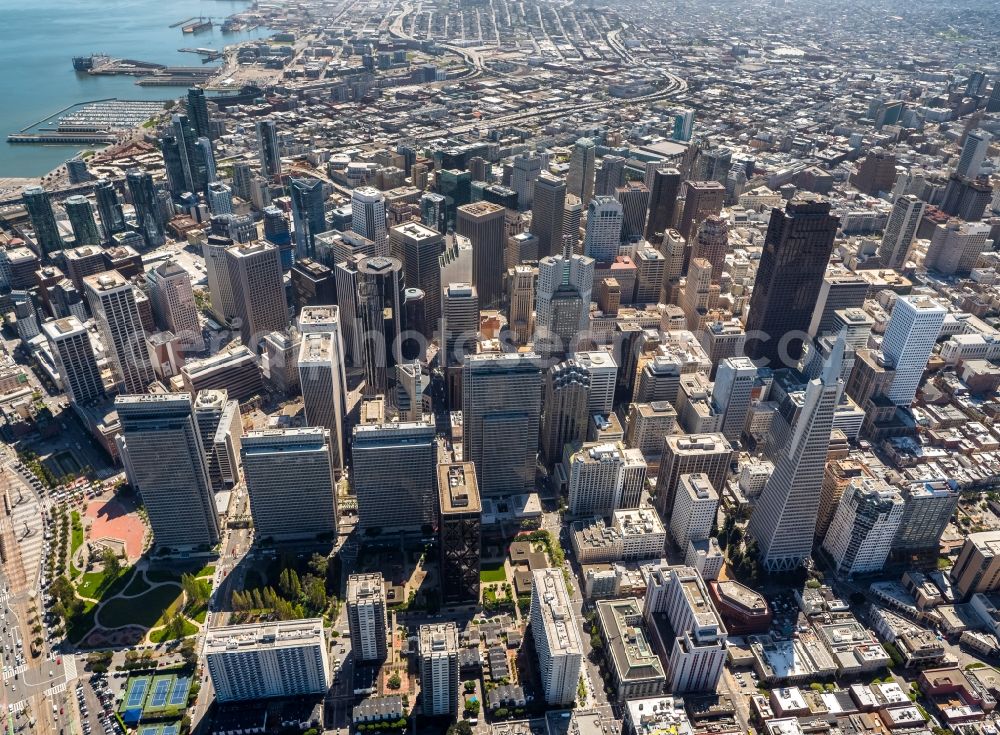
(41, 37)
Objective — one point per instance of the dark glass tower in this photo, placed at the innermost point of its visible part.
(43, 220)
(380, 312)
(796, 252)
(109, 207)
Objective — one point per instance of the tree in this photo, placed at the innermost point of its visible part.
(111, 563)
(460, 728)
(473, 707)
(394, 681)
(175, 627)
(315, 591)
(319, 565)
(470, 686)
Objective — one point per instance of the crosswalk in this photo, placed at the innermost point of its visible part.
(70, 663)
(10, 671)
(16, 707)
(4, 596)
(57, 689)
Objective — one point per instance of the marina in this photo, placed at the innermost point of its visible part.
(89, 123)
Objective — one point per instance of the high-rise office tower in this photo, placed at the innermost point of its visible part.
(81, 219)
(524, 171)
(797, 248)
(521, 302)
(75, 361)
(168, 465)
(651, 267)
(258, 286)
(695, 509)
(662, 202)
(242, 180)
(732, 394)
(567, 396)
(956, 246)
(267, 149)
(993, 103)
(173, 301)
(263, 660)
(928, 508)
(562, 301)
(572, 218)
(784, 518)
(634, 198)
(197, 110)
(712, 244)
(977, 568)
(603, 478)
(501, 405)
(557, 640)
(438, 648)
(864, 525)
(604, 229)
(290, 483)
(43, 220)
(610, 175)
(547, 213)
(977, 143)
(646, 425)
(368, 217)
(321, 378)
(459, 532)
(701, 199)
(197, 164)
(366, 615)
(580, 178)
(875, 174)
(685, 454)
(393, 476)
(913, 328)
(220, 428)
(459, 333)
(109, 209)
(220, 198)
(486, 227)
(220, 289)
(173, 164)
(840, 290)
(113, 303)
(677, 601)
(966, 199)
(308, 215)
(380, 317)
(419, 247)
(900, 230)
(603, 376)
(144, 199)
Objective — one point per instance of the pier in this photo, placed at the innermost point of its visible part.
(179, 23)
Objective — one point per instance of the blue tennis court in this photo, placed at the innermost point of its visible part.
(172, 729)
(178, 695)
(149, 729)
(136, 693)
(161, 687)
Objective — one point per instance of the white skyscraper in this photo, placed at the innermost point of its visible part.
(580, 178)
(977, 143)
(956, 246)
(557, 639)
(554, 273)
(368, 217)
(603, 376)
(604, 229)
(438, 645)
(864, 527)
(697, 653)
(75, 359)
(909, 338)
(116, 311)
(784, 518)
(366, 616)
(900, 230)
(173, 302)
(732, 393)
(524, 171)
(261, 660)
(604, 478)
(322, 375)
(695, 506)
